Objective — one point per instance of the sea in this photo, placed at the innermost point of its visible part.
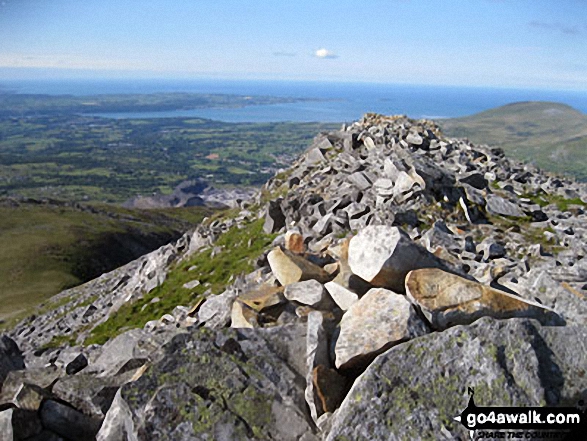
(322, 101)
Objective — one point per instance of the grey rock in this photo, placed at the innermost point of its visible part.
(316, 355)
(209, 375)
(216, 310)
(309, 292)
(342, 296)
(507, 362)
(360, 180)
(90, 394)
(500, 206)
(118, 424)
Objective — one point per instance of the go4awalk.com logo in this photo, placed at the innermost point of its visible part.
(538, 423)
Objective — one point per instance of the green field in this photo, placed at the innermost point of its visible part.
(50, 246)
(550, 135)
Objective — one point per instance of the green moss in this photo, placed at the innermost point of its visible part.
(239, 247)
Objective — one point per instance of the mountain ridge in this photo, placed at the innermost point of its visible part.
(306, 313)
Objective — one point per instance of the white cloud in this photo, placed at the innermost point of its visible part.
(325, 53)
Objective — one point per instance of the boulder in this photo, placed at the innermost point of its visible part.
(447, 300)
(90, 394)
(414, 390)
(274, 217)
(378, 321)
(202, 389)
(308, 292)
(10, 357)
(290, 268)
(17, 424)
(263, 297)
(76, 365)
(383, 255)
(343, 297)
(216, 309)
(242, 316)
(502, 207)
(68, 422)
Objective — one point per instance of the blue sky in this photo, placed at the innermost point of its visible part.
(502, 43)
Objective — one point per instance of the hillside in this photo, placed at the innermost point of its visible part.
(359, 296)
(550, 135)
(48, 246)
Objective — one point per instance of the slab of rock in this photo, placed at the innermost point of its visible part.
(383, 256)
(447, 300)
(316, 354)
(90, 394)
(242, 316)
(289, 268)
(378, 321)
(216, 309)
(414, 390)
(203, 388)
(500, 206)
(68, 422)
(263, 297)
(309, 292)
(343, 297)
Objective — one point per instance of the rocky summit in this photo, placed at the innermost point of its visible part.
(358, 296)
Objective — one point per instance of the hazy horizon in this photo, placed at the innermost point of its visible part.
(482, 43)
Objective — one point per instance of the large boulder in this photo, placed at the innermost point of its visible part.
(447, 300)
(227, 384)
(383, 256)
(378, 321)
(414, 391)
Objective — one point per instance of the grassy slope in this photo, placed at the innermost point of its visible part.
(552, 136)
(47, 247)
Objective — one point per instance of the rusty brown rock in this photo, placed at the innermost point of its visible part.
(330, 386)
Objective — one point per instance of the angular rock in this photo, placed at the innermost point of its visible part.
(68, 422)
(330, 386)
(17, 424)
(118, 424)
(202, 388)
(316, 354)
(474, 179)
(383, 256)
(360, 180)
(76, 365)
(378, 321)
(343, 297)
(508, 363)
(215, 311)
(309, 292)
(89, 394)
(10, 357)
(242, 316)
(500, 206)
(290, 268)
(274, 217)
(263, 297)
(448, 300)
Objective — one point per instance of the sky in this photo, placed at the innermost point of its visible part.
(496, 43)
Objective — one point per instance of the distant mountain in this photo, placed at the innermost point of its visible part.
(552, 136)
